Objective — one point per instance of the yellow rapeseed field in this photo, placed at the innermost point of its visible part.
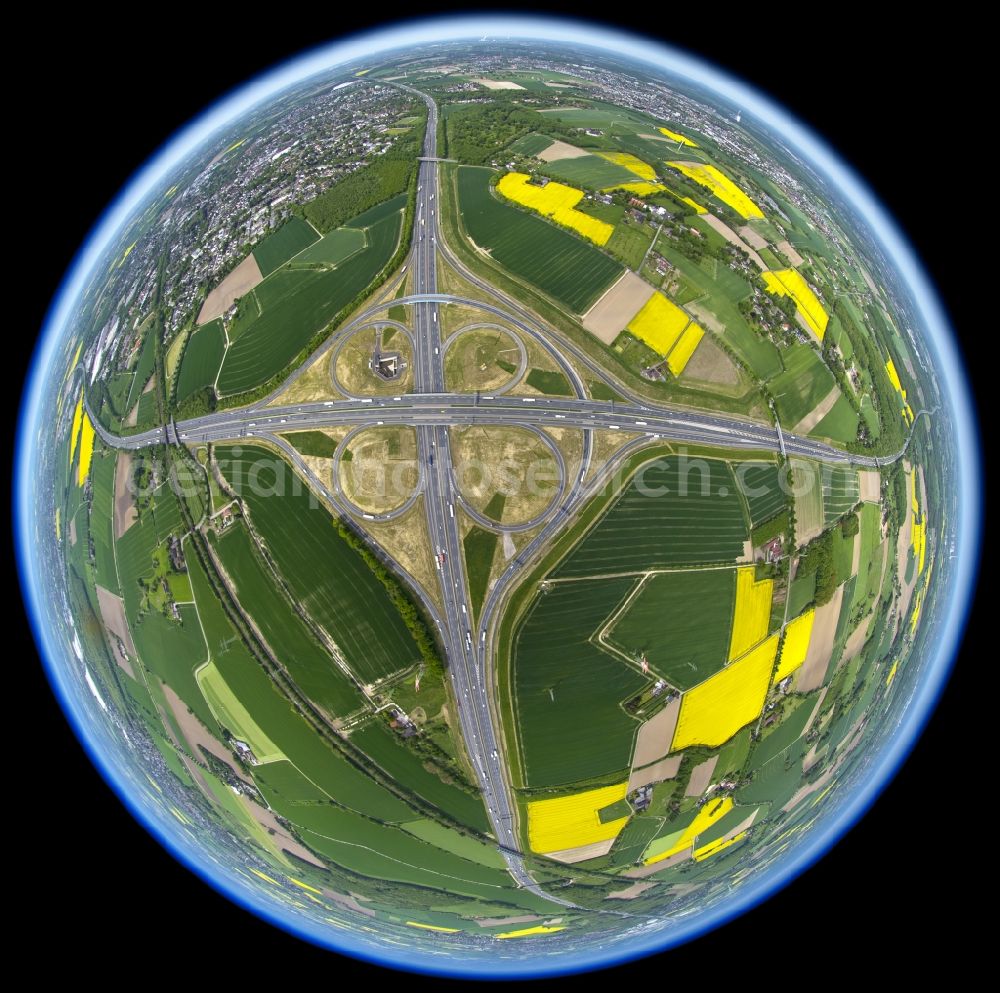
(714, 847)
(681, 353)
(526, 931)
(918, 602)
(717, 708)
(556, 201)
(304, 886)
(796, 644)
(433, 927)
(74, 431)
(751, 613)
(662, 848)
(572, 821)
(919, 541)
(659, 324)
(698, 208)
(674, 136)
(641, 188)
(86, 450)
(720, 185)
(890, 367)
(788, 282)
(629, 161)
(892, 674)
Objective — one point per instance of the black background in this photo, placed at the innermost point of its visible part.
(100, 102)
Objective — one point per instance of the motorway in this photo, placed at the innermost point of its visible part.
(432, 411)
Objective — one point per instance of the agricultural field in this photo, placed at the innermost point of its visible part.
(789, 282)
(752, 612)
(567, 692)
(573, 821)
(296, 304)
(680, 622)
(324, 574)
(674, 512)
(570, 271)
(761, 484)
(295, 646)
(804, 382)
(277, 248)
(555, 201)
(716, 709)
(233, 715)
(333, 248)
(480, 548)
(840, 492)
(795, 647)
(593, 172)
(659, 324)
(720, 186)
(317, 444)
(201, 360)
(840, 423)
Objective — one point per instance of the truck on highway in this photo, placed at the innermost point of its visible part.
(451, 509)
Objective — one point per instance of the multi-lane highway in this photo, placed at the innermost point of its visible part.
(432, 411)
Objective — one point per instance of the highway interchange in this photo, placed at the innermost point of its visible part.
(432, 411)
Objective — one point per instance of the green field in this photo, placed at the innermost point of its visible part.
(296, 304)
(102, 481)
(234, 715)
(719, 290)
(143, 370)
(840, 424)
(314, 443)
(480, 547)
(281, 723)
(287, 634)
(333, 248)
(761, 485)
(590, 172)
(565, 267)
(400, 760)
(681, 622)
(804, 382)
(201, 359)
(598, 118)
(567, 691)
(277, 248)
(328, 578)
(530, 144)
(629, 242)
(840, 491)
(691, 523)
(801, 593)
(870, 561)
(550, 382)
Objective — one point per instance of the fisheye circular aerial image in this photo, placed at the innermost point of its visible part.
(496, 497)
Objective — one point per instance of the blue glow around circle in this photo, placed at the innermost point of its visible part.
(939, 339)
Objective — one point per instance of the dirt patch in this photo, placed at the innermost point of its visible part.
(751, 237)
(498, 84)
(406, 540)
(313, 386)
(561, 150)
(656, 773)
(125, 512)
(279, 836)
(72, 531)
(350, 902)
(636, 889)
(605, 445)
(870, 485)
(789, 252)
(150, 383)
(701, 776)
(705, 317)
(119, 635)
(608, 317)
(733, 238)
(818, 412)
(241, 280)
(653, 741)
(811, 674)
(354, 371)
(710, 364)
(195, 734)
(857, 639)
(382, 472)
(133, 417)
(584, 852)
(642, 871)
